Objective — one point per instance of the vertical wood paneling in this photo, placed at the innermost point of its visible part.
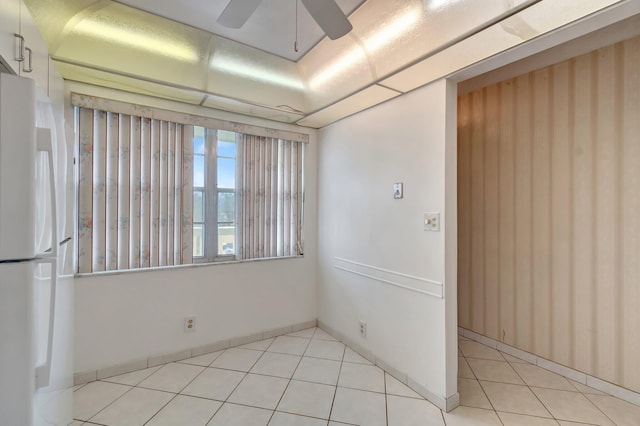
(630, 248)
(491, 204)
(506, 214)
(542, 111)
(464, 215)
(477, 210)
(582, 187)
(523, 214)
(561, 230)
(549, 212)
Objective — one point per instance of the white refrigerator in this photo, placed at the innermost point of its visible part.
(35, 313)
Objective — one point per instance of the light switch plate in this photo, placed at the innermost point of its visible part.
(432, 221)
(397, 190)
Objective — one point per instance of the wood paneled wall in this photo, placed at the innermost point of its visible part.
(549, 212)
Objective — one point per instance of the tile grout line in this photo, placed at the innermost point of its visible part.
(337, 381)
(291, 378)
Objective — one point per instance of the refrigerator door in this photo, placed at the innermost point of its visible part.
(17, 167)
(17, 359)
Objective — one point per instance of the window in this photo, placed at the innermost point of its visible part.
(214, 194)
(153, 191)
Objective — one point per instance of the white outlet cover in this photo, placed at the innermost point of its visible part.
(189, 324)
(432, 221)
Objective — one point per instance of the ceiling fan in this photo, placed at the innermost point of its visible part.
(326, 13)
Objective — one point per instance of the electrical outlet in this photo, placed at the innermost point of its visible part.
(363, 329)
(189, 324)
(432, 221)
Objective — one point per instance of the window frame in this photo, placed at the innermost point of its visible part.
(211, 192)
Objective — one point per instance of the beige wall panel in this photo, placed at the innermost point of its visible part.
(606, 212)
(464, 215)
(630, 248)
(491, 204)
(477, 210)
(541, 223)
(561, 225)
(506, 217)
(523, 213)
(549, 201)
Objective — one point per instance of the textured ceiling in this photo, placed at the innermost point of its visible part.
(271, 28)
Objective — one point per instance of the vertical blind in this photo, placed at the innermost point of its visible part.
(270, 197)
(134, 191)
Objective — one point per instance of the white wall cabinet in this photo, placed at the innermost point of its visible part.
(9, 25)
(15, 18)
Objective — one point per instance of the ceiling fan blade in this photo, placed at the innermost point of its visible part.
(329, 16)
(237, 12)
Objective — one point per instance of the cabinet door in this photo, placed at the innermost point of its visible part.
(39, 52)
(9, 25)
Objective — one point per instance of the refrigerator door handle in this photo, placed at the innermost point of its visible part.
(43, 372)
(43, 137)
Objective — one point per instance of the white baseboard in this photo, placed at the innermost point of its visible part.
(573, 374)
(83, 377)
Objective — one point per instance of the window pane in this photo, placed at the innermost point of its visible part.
(226, 149)
(226, 239)
(226, 206)
(198, 206)
(226, 173)
(198, 140)
(198, 170)
(225, 135)
(198, 240)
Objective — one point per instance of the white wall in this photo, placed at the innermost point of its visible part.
(360, 158)
(129, 316)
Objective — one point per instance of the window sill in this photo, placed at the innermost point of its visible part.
(174, 267)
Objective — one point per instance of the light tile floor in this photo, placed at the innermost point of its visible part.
(309, 379)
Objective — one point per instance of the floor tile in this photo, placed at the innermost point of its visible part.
(571, 406)
(412, 412)
(541, 378)
(352, 356)
(359, 407)
(240, 415)
(467, 416)
(363, 377)
(514, 399)
(318, 371)
(585, 389)
(477, 350)
(260, 345)
(472, 395)
(94, 397)
(259, 391)
(202, 360)
(172, 377)
(511, 419)
(464, 370)
(306, 333)
(494, 371)
(77, 423)
(325, 349)
(134, 408)
(323, 335)
(214, 383)
(186, 410)
(289, 345)
(396, 387)
(286, 419)
(621, 412)
(275, 364)
(133, 378)
(308, 399)
(237, 359)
